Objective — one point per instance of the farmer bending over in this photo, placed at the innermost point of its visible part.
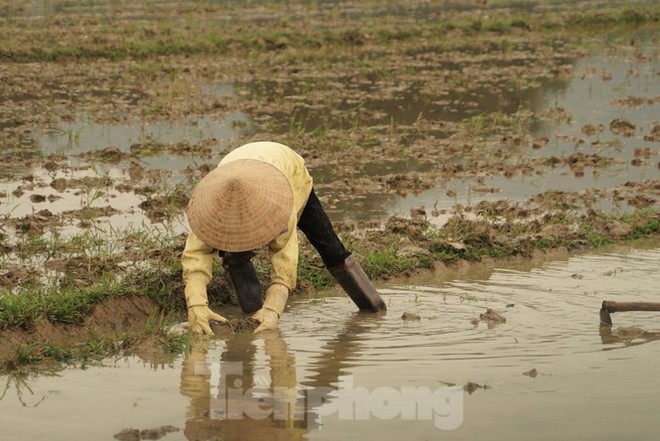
(257, 195)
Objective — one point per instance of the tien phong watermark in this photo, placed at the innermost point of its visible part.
(231, 397)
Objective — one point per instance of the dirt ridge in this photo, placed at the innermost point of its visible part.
(113, 318)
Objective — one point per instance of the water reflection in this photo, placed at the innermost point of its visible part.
(377, 103)
(628, 336)
(293, 382)
(230, 399)
(233, 396)
(586, 97)
(83, 135)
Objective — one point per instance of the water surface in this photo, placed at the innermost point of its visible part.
(331, 373)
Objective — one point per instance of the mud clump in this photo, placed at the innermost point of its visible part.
(128, 435)
(245, 325)
(35, 224)
(491, 317)
(59, 184)
(471, 387)
(532, 373)
(413, 228)
(410, 316)
(540, 142)
(592, 129)
(407, 248)
(37, 198)
(655, 134)
(162, 207)
(617, 229)
(636, 101)
(108, 155)
(641, 201)
(622, 127)
(556, 114)
(201, 149)
(13, 274)
(403, 184)
(145, 434)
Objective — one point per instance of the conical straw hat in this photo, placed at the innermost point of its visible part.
(241, 205)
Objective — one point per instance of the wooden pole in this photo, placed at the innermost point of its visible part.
(610, 307)
(630, 306)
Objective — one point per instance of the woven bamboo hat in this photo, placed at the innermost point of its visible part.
(241, 205)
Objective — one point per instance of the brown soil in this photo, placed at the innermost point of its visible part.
(114, 318)
(622, 127)
(145, 434)
(289, 90)
(471, 387)
(532, 373)
(410, 316)
(491, 317)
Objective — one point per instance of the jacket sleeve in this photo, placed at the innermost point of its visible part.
(197, 263)
(284, 256)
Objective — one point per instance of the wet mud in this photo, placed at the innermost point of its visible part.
(155, 433)
(508, 136)
(115, 320)
(548, 368)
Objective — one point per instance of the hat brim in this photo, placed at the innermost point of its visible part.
(241, 205)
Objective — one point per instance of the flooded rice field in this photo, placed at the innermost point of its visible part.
(540, 368)
(475, 157)
(594, 129)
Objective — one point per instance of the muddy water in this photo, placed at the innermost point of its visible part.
(594, 94)
(83, 135)
(598, 92)
(546, 373)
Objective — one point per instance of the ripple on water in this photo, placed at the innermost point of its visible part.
(583, 379)
(551, 311)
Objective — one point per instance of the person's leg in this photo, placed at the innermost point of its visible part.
(314, 222)
(316, 225)
(244, 278)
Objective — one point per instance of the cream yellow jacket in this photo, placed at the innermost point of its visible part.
(197, 257)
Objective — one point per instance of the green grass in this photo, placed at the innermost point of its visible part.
(63, 306)
(194, 31)
(314, 272)
(45, 357)
(386, 263)
(96, 348)
(163, 285)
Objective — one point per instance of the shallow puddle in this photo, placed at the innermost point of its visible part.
(617, 83)
(605, 86)
(546, 373)
(82, 135)
(506, 351)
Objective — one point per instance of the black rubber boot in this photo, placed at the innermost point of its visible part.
(244, 278)
(357, 285)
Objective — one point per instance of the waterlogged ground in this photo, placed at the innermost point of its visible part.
(546, 372)
(500, 112)
(590, 128)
